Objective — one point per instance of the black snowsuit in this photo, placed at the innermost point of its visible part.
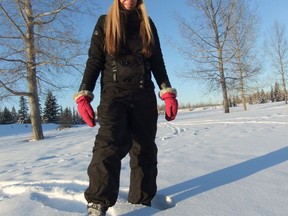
(127, 113)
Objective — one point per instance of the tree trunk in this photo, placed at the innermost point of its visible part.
(223, 82)
(219, 47)
(37, 132)
(224, 90)
(285, 89)
(241, 83)
(243, 98)
(284, 82)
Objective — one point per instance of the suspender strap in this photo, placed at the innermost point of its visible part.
(114, 70)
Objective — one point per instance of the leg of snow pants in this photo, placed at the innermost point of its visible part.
(111, 145)
(143, 154)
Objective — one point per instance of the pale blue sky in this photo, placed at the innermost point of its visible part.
(161, 13)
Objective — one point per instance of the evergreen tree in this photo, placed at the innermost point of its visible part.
(7, 117)
(60, 112)
(1, 117)
(77, 119)
(262, 97)
(230, 102)
(66, 119)
(51, 109)
(23, 111)
(257, 97)
(272, 96)
(277, 93)
(40, 109)
(14, 114)
(234, 101)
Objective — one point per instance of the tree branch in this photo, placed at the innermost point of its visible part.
(2, 84)
(12, 21)
(55, 12)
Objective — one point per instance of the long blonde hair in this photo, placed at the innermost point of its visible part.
(114, 32)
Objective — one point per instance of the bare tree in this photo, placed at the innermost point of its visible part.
(278, 45)
(206, 39)
(243, 37)
(39, 43)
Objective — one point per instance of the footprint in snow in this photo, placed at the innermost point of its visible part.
(60, 204)
(62, 195)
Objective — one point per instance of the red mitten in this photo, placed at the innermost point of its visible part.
(86, 111)
(171, 105)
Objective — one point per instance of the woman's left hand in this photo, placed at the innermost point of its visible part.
(171, 105)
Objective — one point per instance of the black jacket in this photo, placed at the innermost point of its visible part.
(129, 67)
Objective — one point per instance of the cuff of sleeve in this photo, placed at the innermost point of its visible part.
(83, 93)
(165, 90)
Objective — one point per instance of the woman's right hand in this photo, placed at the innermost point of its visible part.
(85, 110)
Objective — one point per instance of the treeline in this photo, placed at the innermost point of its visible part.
(66, 117)
(51, 113)
(275, 94)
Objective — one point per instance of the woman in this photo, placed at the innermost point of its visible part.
(125, 50)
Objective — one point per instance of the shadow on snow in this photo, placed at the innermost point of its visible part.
(190, 188)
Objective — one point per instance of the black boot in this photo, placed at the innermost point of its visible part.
(96, 209)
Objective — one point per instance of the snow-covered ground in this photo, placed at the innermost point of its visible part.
(210, 163)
